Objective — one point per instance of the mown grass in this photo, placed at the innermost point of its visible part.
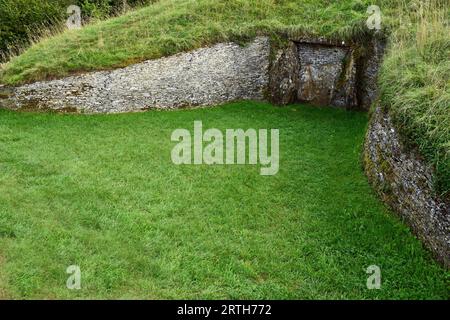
(101, 192)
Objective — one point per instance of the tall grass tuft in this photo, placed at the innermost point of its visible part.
(415, 83)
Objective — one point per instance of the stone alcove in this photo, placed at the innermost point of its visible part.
(326, 73)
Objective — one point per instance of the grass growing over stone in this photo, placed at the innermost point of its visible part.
(171, 26)
(415, 84)
(101, 192)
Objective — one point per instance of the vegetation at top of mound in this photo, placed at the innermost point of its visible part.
(171, 26)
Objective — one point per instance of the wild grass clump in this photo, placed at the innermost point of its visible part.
(23, 22)
(415, 84)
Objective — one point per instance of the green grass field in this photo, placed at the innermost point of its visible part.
(101, 192)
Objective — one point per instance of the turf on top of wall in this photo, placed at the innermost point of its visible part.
(172, 26)
(415, 78)
(102, 192)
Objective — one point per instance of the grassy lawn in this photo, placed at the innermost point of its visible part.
(101, 192)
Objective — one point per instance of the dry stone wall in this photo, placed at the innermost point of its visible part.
(370, 58)
(404, 181)
(318, 72)
(208, 76)
(327, 73)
